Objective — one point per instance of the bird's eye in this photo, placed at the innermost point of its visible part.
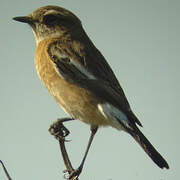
(50, 20)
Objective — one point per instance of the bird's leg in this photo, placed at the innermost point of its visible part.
(58, 130)
(75, 174)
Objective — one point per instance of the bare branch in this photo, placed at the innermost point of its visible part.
(5, 170)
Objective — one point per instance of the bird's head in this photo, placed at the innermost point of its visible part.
(51, 22)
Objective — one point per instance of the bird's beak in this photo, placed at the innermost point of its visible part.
(24, 19)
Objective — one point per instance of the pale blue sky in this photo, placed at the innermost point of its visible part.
(140, 40)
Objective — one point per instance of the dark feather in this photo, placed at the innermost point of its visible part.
(148, 148)
(106, 87)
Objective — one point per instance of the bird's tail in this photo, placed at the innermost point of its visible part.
(148, 148)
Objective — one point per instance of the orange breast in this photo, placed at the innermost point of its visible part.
(77, 102)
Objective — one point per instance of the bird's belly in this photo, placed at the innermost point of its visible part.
(78, 103)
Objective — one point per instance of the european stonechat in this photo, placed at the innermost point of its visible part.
(77, 75)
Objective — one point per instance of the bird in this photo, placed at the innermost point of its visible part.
(80, 79)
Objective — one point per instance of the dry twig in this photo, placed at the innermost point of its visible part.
(5, 170)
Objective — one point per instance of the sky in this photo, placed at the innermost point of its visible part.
(140, 40)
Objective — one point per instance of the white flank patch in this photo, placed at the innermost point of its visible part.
(114, 115)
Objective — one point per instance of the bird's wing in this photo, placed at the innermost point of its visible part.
(87, 68)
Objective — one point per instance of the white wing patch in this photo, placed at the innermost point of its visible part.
(83, 70)
(76, 64)
(114, 115)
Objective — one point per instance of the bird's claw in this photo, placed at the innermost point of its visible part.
(59, 131)
(73, 175)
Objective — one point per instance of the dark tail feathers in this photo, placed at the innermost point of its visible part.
(149, 149)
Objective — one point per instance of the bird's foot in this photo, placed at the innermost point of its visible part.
(73, 175)
(58, 130)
